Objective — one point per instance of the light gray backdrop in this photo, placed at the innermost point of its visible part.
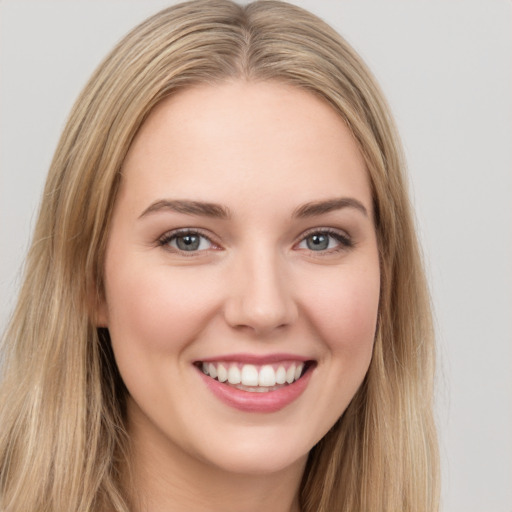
(445, 66)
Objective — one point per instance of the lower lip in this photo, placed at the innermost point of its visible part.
(247, 401)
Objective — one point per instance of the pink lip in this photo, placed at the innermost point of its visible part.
(255, 359)
(271, 401)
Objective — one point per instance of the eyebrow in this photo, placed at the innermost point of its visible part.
(321, 207)
(188, 207)
(218, 211)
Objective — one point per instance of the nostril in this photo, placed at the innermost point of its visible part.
(260, 298)
(261, 318)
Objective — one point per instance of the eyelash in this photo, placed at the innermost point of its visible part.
(167, 238)
(345, 242)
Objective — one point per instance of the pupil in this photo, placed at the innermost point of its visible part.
(317, 242)
(188, 242)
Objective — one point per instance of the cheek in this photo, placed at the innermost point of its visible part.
(342, 314)
(344, 310)
(156, 308)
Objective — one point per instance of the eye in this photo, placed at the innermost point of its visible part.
(186, 241)
(325, 240)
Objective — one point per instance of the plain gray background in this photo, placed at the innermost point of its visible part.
(445, 67)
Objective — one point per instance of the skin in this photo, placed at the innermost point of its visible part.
(254, 286)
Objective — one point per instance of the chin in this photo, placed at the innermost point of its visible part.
(257, 451)
(256, 460)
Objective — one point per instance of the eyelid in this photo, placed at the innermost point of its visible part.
(345, 240)
(164, 240)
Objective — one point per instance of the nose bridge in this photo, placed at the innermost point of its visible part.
(261, 296)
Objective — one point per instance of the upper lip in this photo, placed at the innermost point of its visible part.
(255, 359)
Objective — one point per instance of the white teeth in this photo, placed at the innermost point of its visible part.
(249, 376)
(290, 374)
(264, 378)
(281, 375)
(222, 373)
(234, 376)
(212, 371)
(267, 376)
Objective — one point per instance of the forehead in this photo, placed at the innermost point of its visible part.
(263, 137)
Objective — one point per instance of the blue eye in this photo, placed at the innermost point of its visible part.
(186, 241)
(325, 241)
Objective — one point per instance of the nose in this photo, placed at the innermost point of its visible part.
(260, 295)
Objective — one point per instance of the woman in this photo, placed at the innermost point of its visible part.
(224, 306)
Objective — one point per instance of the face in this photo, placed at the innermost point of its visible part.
(242, 276)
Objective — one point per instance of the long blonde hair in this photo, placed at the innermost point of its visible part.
(62, 435)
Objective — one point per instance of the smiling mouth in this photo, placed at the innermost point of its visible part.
(255, 378)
